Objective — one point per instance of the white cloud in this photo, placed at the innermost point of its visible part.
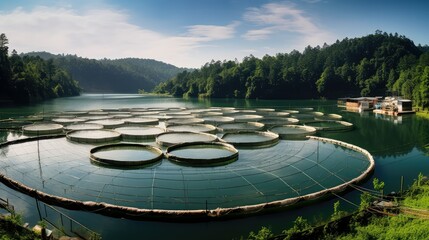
(311, 1)
(212, 32)
(104, 33)
(275, 18)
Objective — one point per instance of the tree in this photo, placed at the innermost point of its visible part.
(5, 70)
(378, 185)
(3, 41)
(424, 89)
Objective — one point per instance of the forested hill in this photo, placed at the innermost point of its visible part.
(372, 65)
(121, 76)
(29, 79)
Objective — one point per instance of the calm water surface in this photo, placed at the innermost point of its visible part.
(397, 145)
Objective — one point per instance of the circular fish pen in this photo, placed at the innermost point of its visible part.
(251, 138)
(202, 154)
(335, 117)
(216, 120)
(141, 121)
(125, 155)
(93, 136)
(275, 121)
(66, 121)
(42, 129)
(197, 179)
(83, 126)
(180, 121)
(247, 118)
(134, 133)
(274, 178)
(244, 126)
(205, 128)
(171, 138)
(329, 125)
(293, 132)
(206, 114)
(109, 123)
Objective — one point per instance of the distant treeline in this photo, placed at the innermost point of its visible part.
(126, 75)
(378, 64)
(29, 79)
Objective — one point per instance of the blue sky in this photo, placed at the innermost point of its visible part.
(189, 33)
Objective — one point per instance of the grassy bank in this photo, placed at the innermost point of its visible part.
(10, 228)
(424, 114)
(403, 217)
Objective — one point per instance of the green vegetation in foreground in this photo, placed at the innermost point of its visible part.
(424, 114)
(407, 218)
(375, 65)
(11, 228)
(29, 79)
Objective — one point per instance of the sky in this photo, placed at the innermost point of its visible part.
(190, 33)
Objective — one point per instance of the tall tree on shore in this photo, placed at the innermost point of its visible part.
(5, 71)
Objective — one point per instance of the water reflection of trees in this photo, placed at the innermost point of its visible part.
(385, 138)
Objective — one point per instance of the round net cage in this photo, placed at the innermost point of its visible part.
(202, 153)
(93, 136)
(228, 112)
(305, 109)
(83, 126)
(178, 121)
(205, 128)
(275, 121)
(257, 180)
(141, 121)
(109, 123)
(96, 117)
(42, 129)
(243, 126)
(277, 114)
(199, 177)
(293, 131)
(251, 138)
(332, 116)
(144, 113)
(139, 132)
(291, 111)
(265, 110)
(247, 118)
(329, 125)
(172, 138)
(125, 155)
(122, 116)
(206, 114)
(66, 121)
(216, 120)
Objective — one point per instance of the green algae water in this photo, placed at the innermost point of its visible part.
(207, 152)
(397, 144)
(126, 154)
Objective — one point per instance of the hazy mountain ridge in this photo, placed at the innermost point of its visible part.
(126, 75)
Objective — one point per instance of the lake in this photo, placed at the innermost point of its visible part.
(397, 144)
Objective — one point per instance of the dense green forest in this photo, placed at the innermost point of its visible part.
(118, 76)
(378, 64)
(29, 78)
